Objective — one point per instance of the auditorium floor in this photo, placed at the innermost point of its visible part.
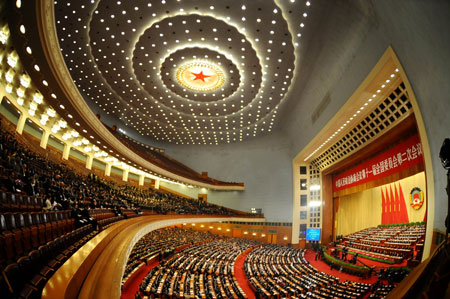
(130, 291)
(241, 277)
(322, 266)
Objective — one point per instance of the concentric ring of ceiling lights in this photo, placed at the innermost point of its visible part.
(124, 57)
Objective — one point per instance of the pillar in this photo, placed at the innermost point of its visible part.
(21, 123)
(108, 169)
(156, 184)
(66, 151)
(125, 175)
(44, 139)
(141, 180)
(89, 161)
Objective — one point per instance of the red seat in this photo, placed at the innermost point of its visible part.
(5, 205)
(26, 231)
(48, 226)
(34, 206)
(51, 218)
(17, 234)
(22, 202)
(41, 227)
(33, 228)
(7, 239)
(13, 200)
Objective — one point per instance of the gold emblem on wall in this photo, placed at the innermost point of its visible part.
(416, 198)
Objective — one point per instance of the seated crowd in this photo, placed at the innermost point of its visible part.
(204, 270)
(45, 204)
(391, 243)
(281, 272)
(161, 243)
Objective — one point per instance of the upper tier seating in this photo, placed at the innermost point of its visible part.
(161, 160)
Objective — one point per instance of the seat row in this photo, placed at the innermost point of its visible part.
(26, 277)
(17, 202)
(22, 232)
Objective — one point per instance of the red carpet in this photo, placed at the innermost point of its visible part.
(133, 285)
(240, 275)
(323, 267)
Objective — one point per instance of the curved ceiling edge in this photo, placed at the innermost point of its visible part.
(50, 46)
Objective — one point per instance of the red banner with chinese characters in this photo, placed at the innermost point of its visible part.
(401, 157)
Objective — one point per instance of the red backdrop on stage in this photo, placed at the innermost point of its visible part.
(401, 157)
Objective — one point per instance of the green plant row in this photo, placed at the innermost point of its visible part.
(377, 259)
(401, 224)
(339, 262)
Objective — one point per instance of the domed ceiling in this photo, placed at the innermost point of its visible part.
(184, 71)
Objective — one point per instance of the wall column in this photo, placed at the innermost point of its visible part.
(89, 161)
(21, 123)
(141, 180)
(156, 184)
(44, 138)
(125, 175)
(66, 151)
(108, 169)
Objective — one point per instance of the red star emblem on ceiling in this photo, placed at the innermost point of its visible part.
(200, 76)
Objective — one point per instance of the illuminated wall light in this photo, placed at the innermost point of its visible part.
(31, 112)
(285, 238)
(25, 80)
(77, 143)
(33, 106)
(85, 141)
(66, 136)
(263, 235)
(9, 88)
(37, 97)
(254, 234)
(245, 233)
(210, 227)
(20, 92)
(87, 149)
(314, 188)
(9, 76)
(315, 203)
(55, 128)
(12, 59)
(51, 112)
(74, 134)
(4, 34)
(44, 119)
(20, 101)
(62, 123)
(95, 148)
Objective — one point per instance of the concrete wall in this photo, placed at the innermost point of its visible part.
(263, 165)
(417, 31)
(344, 41)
